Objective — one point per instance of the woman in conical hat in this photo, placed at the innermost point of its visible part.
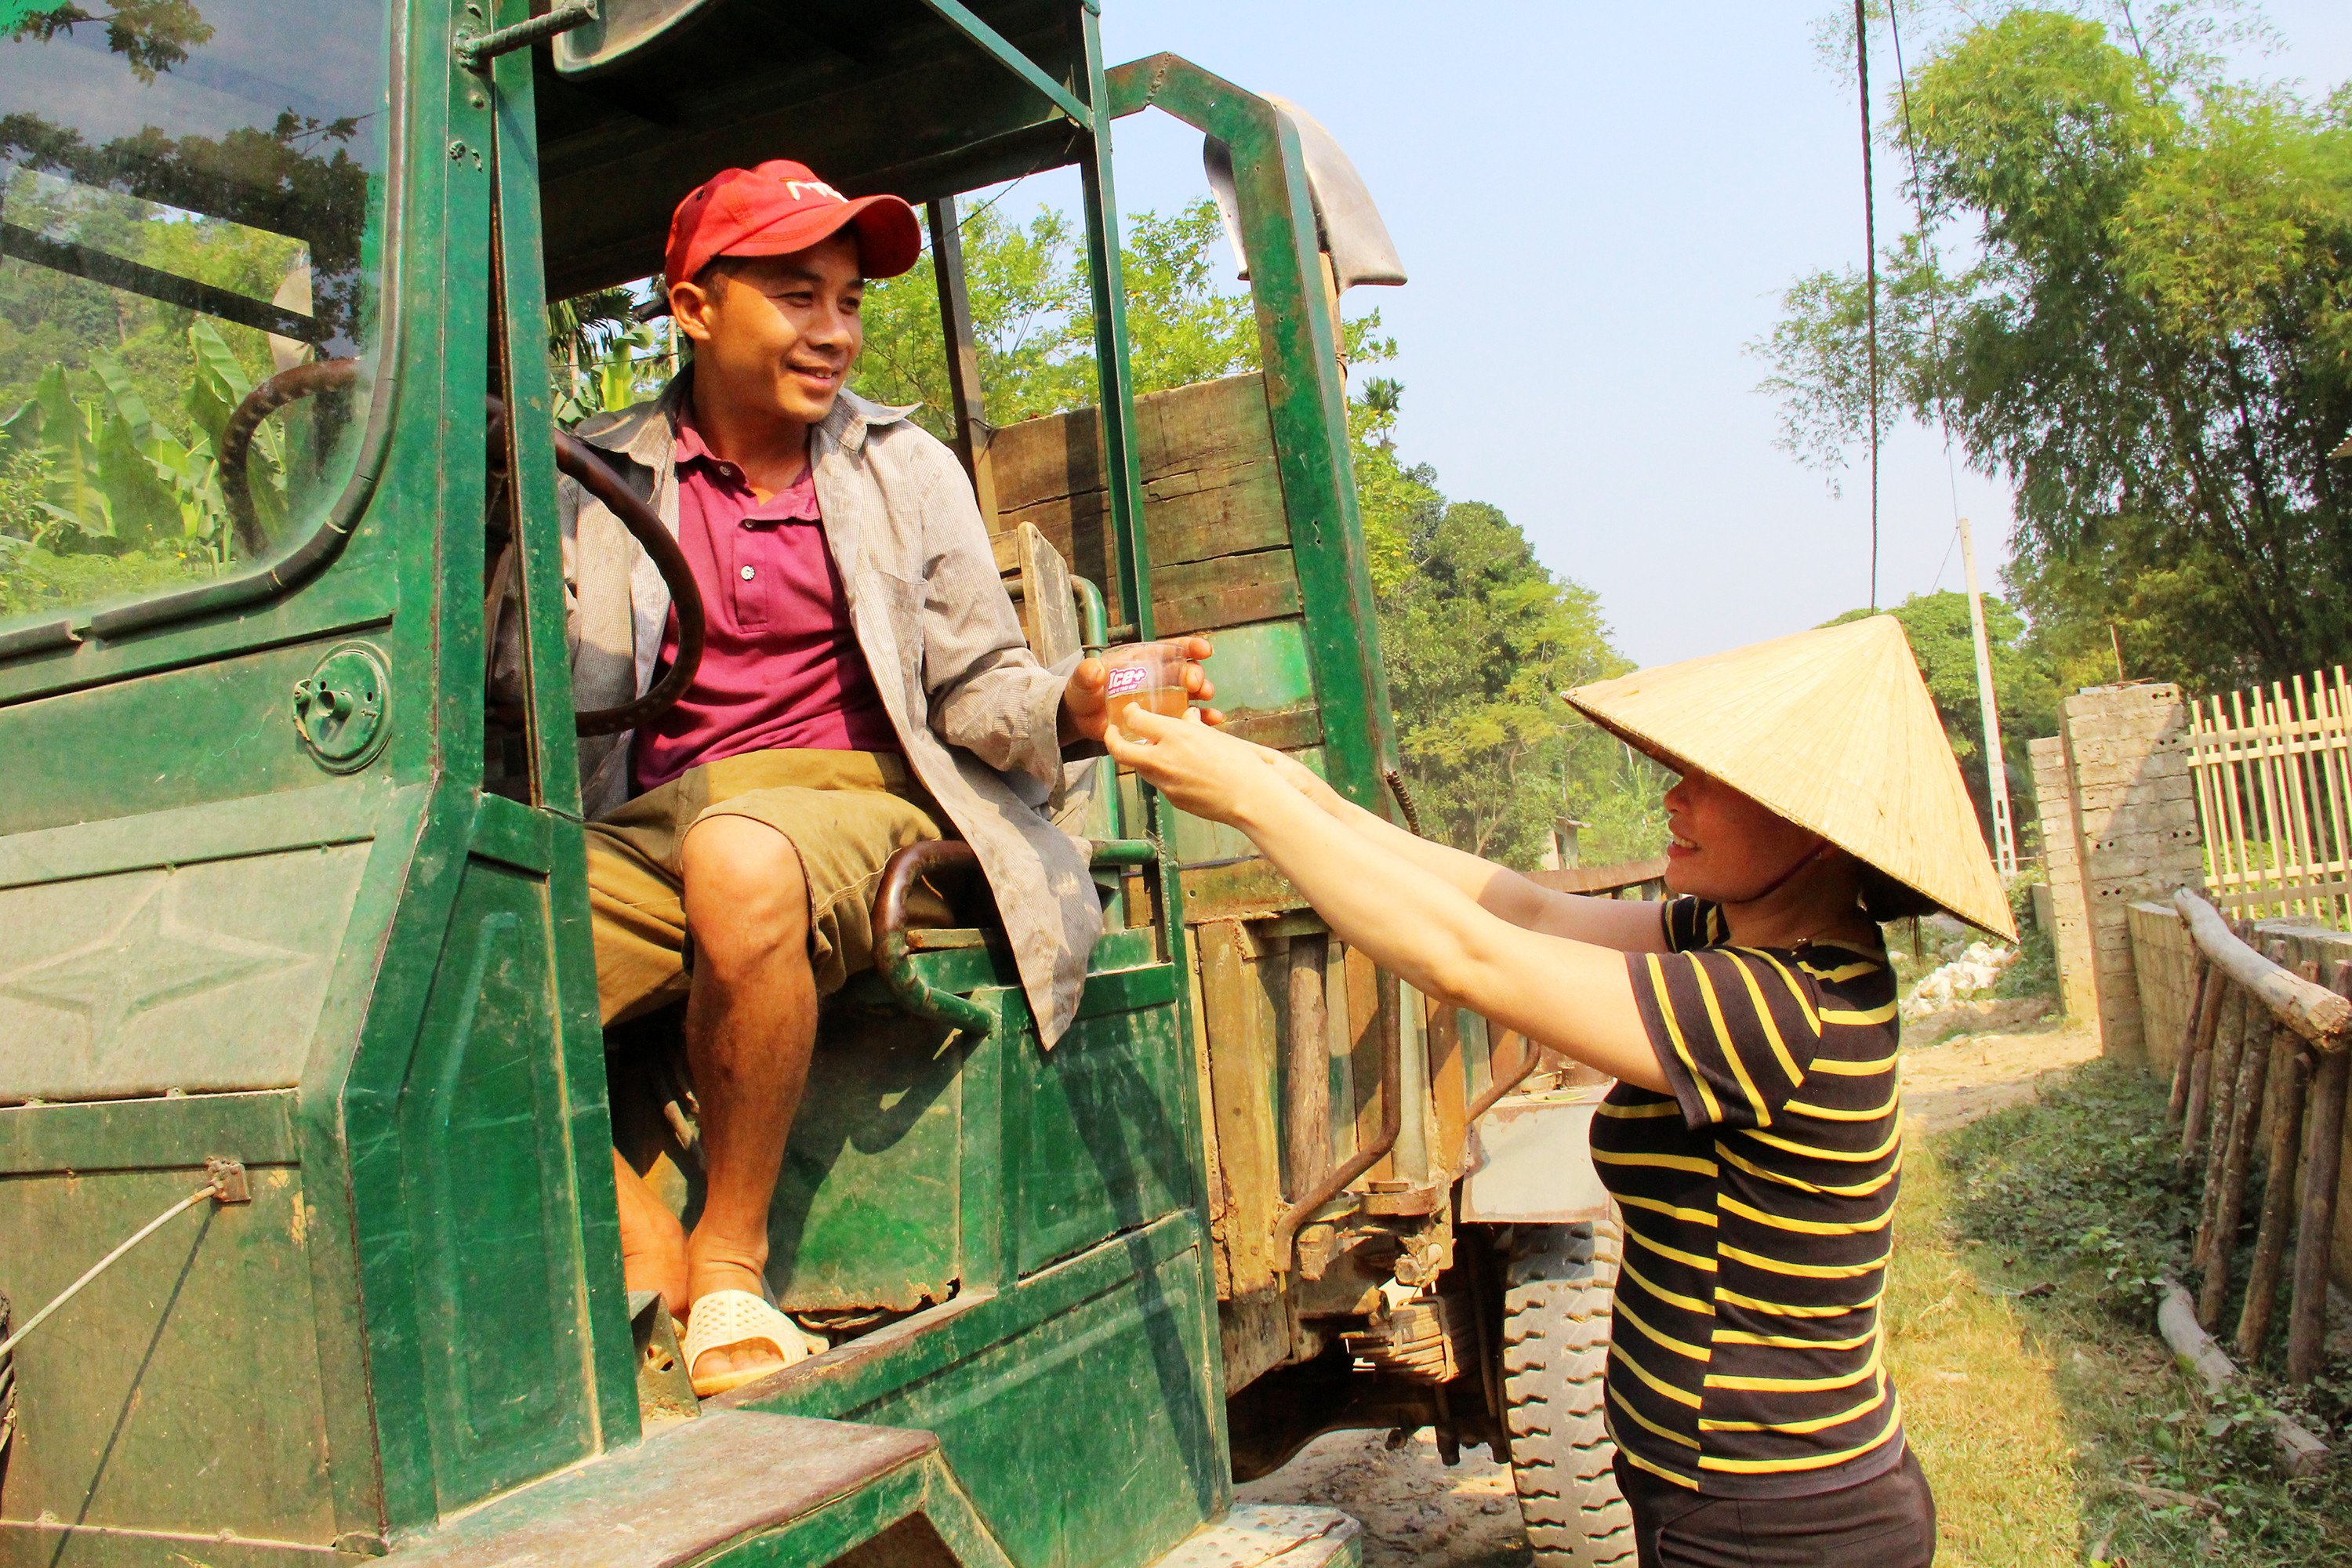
(1753, 1139)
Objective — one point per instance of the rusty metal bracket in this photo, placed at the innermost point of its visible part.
(1284, 1237)
(229, 1183)
(475, 51)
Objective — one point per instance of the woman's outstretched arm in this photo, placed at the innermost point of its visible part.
(1574, 996)
(1627, 925)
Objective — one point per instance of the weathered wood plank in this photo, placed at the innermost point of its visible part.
(2315, 1013)
(1284, 731)
(1228, 512)
(1247, 888)
(1306, 1108)
(1364, 1045)
(1210, 425)
(1448, 1094)
(1205, 596)
(1237, 1017)
(1048, 605)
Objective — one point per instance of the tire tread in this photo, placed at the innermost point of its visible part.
(1555, 1354)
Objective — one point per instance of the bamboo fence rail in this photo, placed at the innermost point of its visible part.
(2274, 773)
(2256, 1025)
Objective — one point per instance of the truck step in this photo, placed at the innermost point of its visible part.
(1269, 1535)
(792, 1489)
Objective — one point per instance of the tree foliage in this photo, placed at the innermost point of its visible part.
(1033, 324)
(1479, 639)
(2151, 338)
(112, 402)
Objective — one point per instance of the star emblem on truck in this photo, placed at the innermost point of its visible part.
(149, 958)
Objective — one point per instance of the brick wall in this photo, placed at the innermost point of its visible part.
(2135, 837)
(2054, 793)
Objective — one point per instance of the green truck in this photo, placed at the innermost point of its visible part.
(308, 1236)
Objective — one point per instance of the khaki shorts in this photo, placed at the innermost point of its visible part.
(845, 814)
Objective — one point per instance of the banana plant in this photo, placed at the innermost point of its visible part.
(113, 473)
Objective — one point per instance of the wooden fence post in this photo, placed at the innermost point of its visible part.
(2182, 1070)
(2290, 1069)
(2237, 1149)
(2316, 1230)
(2214, 1129)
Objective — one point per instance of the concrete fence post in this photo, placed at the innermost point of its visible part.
(2120, 824)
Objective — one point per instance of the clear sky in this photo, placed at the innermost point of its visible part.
(1598, 205)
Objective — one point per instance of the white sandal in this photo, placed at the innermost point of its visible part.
(726, 1318)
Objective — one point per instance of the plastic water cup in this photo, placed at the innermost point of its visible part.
(1150, 674)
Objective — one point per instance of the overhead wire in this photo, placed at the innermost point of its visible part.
(1935, 305)
(1870, 252)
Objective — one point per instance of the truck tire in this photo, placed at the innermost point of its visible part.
(1555, 1351)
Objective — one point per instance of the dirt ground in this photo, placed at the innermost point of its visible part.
(1947, 1085)
(1415, 1510)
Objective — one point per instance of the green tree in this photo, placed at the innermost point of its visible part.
(2025, 688)
(2152, 340)
(1033, 317)
(1480, 640)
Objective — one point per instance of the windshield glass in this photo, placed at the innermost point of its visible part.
(190, 198)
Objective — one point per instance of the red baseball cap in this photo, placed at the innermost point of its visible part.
(779, 208)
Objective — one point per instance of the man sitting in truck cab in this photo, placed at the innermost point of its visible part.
(864, 686)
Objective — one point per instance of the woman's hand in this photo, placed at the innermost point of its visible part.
(1199, 770)
(1300, 777)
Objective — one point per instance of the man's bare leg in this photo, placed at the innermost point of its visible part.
(751, 1024)
(653, 1247)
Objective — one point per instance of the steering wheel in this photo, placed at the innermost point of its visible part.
(573, 456)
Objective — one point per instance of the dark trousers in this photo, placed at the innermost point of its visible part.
(1887, 1521)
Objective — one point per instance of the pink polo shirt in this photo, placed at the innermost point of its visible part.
(781, 666)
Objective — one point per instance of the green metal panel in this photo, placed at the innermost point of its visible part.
(203, 977)
(1263, 669)
(1103, 1139)
(1080, 1408)
(1307, 398)
(490, 1202)
(126, 747)
(866, 1212)
(579, 1041)
(144, 1403)
(143, 1134)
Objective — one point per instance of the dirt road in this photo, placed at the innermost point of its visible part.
(1415, 1510)
(1956, 1082)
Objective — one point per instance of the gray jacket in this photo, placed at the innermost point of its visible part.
(975, 711)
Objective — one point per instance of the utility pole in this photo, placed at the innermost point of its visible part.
(2004, 838)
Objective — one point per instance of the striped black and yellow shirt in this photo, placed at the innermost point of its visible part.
(1744, 1360)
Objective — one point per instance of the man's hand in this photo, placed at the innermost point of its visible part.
(1085, 709)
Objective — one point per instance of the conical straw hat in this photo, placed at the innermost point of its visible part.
(1833, 730)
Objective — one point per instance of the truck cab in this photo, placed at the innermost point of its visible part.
(296, 897)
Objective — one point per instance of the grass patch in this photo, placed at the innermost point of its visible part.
(2055, 1427)
(1980, 1400)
